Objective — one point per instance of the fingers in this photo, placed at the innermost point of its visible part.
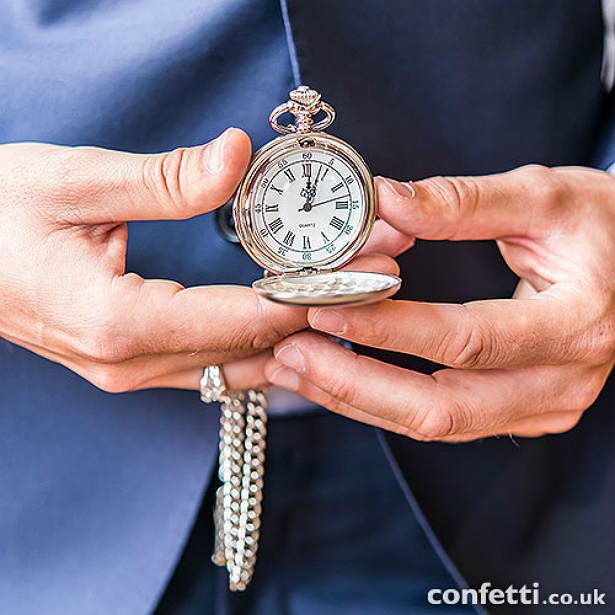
(95, 185)
(248, 373)
(372, 262)
(277, 372)
(447, 404)
(544, 424)
(531, 427)
(517, 203)
(176, 371)
(384, 239)
(146, 317)
(551, 328)
(179, 371)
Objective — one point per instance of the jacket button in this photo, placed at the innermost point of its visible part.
(225, 223)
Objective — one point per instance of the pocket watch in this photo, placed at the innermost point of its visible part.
(305, 207)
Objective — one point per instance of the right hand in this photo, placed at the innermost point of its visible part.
(64, 293)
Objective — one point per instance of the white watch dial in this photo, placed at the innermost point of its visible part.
(308, 205)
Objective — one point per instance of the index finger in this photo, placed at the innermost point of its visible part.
(149, 317)
(548, 329)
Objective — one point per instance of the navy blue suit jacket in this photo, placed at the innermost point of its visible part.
(469, 88)
(423, 87)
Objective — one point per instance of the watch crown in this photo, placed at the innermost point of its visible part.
(304, 103)
(304, 95)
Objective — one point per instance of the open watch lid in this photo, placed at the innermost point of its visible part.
(328, 288)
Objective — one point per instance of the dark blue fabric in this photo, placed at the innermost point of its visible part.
(98, 492)
(336, 538)
(435, 87)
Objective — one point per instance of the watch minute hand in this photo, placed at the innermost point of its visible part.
(323, 202)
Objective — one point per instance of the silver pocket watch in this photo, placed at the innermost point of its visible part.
(305, 207)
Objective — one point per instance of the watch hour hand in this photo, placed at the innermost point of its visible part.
(308, 206)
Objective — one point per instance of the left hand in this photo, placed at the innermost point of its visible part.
(526, 366)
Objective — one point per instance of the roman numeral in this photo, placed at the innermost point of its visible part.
(337, 187)
(341, 204)
(324, 237)
(326, 171)
(337, 223)
(277, 189)
(307, 169)
(289, 174)
(276, 225)
(272, 208)
(306, 243)
(289, 239)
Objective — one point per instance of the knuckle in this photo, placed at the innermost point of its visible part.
(100, 346)
(110, 379)
(258, 333)
(568, 423)
(601, 346)
(163, 176)
(103, 342)
(459, 196)
(258, 337)
(380, 332)
(467, 347)
(585, 391)
(544, 185)
(443, 418)
(339, 386)
(266, 328)
(251, 338)
(340, 390)
(434, 423)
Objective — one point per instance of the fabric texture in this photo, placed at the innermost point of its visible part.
(89, 479)
(99, 492)
(479, 87)
(337, 535)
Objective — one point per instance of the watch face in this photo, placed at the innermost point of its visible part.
(309, 204)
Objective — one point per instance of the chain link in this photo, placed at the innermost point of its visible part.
(237, 513)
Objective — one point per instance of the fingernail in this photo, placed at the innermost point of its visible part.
(214, 153)
(285, 378)
(329, 321)
(291, 356)
(404, 190)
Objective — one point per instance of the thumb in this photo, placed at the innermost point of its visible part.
(112, 186)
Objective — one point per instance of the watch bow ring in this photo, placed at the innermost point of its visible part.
(305, 208)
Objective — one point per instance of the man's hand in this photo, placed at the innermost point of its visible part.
(524, 366)
(64, 293)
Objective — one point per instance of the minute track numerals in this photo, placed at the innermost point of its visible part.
(308, 205)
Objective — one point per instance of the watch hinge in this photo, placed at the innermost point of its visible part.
(313, 270)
